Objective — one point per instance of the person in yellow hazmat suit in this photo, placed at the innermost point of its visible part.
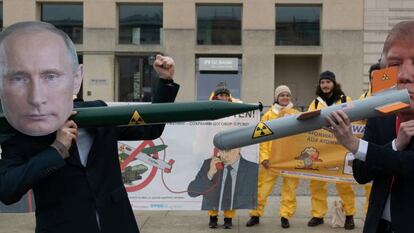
(222, 93)
(329, 93)
(367, 187)
(267, 172)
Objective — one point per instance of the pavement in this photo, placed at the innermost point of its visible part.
(196, 221)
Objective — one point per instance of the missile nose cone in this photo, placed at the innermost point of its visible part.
(260, 106)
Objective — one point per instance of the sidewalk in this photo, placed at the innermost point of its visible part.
(196, 221)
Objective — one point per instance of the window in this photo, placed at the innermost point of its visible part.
(298, 25)
(214, 70)
(219, 25)
(66, 17)
(1, 15)
(137, 79)
(140, 24)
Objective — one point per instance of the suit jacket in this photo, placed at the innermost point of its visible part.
(245, 192)
(381, 165)
(69, 196)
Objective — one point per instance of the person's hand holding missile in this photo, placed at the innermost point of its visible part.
(164, 66)
(341, 128)
(404, 135)
(67, 134)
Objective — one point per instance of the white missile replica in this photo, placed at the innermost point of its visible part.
(383, 103)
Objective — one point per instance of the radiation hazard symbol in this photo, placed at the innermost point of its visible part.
(136, 119)
(261, 131)
(385, 77)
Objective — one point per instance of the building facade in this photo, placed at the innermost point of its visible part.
(252, 45)
(379, 17)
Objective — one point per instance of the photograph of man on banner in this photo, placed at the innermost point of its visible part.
(226, 182)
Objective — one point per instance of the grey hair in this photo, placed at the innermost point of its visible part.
(401, 32)
(38, 26)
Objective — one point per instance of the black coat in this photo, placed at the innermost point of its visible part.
(245, 193)
(381, 164)
(67, 194)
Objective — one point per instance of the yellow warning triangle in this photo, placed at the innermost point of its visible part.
(136, 119)
(261, 131)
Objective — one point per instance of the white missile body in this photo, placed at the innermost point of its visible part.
(377, 105)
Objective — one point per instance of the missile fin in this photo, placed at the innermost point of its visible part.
(384, 79)
(393, 107)
(308, 115)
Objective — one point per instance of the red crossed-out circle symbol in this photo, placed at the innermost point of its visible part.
(131, 157)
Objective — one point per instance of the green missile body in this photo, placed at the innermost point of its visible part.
(157, 113)
(143, 114)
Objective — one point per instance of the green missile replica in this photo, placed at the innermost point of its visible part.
(156, 113)
(144, 114)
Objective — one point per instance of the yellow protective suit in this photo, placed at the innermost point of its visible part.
(318, 190)
(226, 213)
(367, 186)
(267, 177)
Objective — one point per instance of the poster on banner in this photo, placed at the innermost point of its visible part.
(316, 155)
(157, 174)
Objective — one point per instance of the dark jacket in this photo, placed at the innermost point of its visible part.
(68, 195)
(245, 193)
(381, 164)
